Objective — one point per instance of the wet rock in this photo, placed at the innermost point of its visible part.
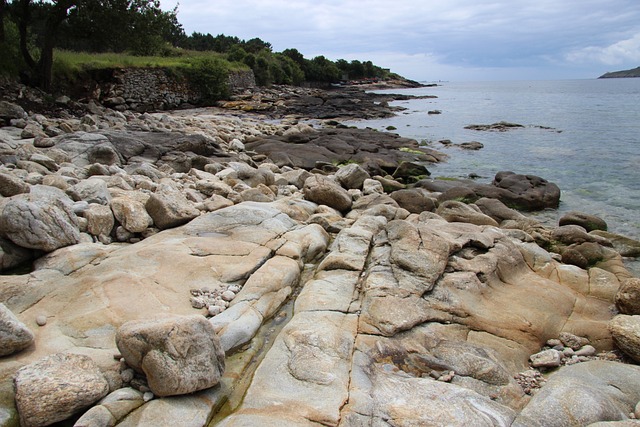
(586, 221)
(42, 219)
(624, 245)
(410, 171)
(178, 354)
(57, 386)
(14, 335)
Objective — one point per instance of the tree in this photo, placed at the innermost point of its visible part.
(42, 66)
(3, 8)
(139, 26)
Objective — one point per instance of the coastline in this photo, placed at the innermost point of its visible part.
(382, 284)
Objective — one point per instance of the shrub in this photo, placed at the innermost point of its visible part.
(209, 77)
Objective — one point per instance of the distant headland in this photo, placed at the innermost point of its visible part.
(619, 74)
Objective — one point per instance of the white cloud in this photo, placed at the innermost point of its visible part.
(451, 36)
(623, 51)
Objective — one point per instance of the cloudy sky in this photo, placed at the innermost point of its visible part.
(432, 40)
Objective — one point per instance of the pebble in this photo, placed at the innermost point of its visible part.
(573, 341)
(546, 359)
(41, 320)
(127, 375)
(587, 350)
(447, 376)
(228, 295)
(147, 396)
(214, 310)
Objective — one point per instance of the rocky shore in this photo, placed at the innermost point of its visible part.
(218, 267)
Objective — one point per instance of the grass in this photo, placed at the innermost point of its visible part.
(70, 63)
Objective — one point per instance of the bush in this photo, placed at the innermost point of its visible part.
(209, 77)
(10, 58)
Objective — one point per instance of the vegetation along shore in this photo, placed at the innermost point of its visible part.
(196, 240)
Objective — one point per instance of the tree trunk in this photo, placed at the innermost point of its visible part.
(42, 69)
(3, 4)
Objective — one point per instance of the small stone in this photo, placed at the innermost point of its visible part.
(573, 341)
(214, 310)
(568, 352)
(447, 376)
(147, 396)
(41, 320)
(197, 302)
(127, 375)
(546, 359)
(586, 351)
(228, 295)
(554, 342)
(636, 411)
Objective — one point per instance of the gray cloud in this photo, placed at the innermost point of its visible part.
(467, 38)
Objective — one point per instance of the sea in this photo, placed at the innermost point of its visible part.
(583, 135)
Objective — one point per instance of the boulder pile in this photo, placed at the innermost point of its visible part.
(178, 268)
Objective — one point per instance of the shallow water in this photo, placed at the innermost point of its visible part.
(584, 135)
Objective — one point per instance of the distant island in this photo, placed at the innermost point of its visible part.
(619, 74)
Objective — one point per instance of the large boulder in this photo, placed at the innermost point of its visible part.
(625, 331)
(131, 213)
(626, 246)
(584, 220)
(415, 200)
(14, 335)
(352, 176)
(178, 354)
(42, 219)
(100, 220)
(324, 191)
(522, 192)
(169, 208)
(92, 190)
(454, 211)
(12, 255)
(585, 393)
(11, 185)
(628, 296)
(525, 192)
(56, 387)
(85, 149)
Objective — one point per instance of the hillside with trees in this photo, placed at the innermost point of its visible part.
(635, 72)
(40, 41)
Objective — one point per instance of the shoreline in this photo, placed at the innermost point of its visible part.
(376, 280)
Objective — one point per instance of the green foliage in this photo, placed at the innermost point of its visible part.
(10, 58)
(136, 26)
(210, 78)
(138, 33)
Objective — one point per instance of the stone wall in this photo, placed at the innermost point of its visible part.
(152, 89)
